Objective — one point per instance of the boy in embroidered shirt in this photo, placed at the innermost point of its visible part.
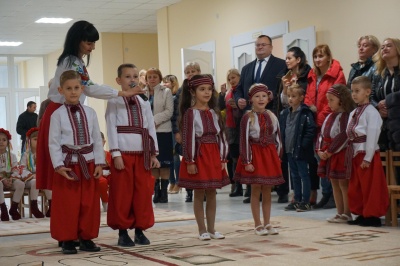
(77, 155)
(367, 193)
(133, 145)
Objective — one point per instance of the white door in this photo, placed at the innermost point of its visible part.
(304, 38)
(243, 55)
(203, 54)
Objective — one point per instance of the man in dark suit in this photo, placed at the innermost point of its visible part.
(264, 69)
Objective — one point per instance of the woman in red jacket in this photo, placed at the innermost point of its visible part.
(326, 72)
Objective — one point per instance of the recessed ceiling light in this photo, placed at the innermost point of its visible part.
(10, 43)
(54, 20)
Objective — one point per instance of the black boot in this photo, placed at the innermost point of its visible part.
(189, 195)
(248, 191)
(238, 190)
(157, 190)
(4, 212)
(124, 240)
(140, 238)
(164, 191)
(15, 215)
(35, 210)
(323, 201)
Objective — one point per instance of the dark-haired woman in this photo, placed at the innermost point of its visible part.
(296, 72)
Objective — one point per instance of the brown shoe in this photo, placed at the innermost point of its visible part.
(171, 189)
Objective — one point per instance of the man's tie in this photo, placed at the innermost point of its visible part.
(258, 73)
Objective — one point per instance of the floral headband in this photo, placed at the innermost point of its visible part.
(258, 88)
(30, 131)
(200, 81)
(6, 132)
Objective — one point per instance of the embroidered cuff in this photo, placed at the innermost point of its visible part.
(115, 153)
(193, 162)
(224, 161)
(101, 164)
(246, 164)
(58, 167)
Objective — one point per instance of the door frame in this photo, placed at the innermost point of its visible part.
(273, 31)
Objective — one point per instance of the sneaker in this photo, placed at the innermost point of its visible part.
(303, 207)
(292, 206)
(205, 236)
(88, 245)
(334, 219)
(217, 235)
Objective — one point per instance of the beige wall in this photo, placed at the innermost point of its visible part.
(338, 23)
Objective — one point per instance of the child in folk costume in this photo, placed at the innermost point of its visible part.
(9, 177)
(259, 164)
(28, 175)
(368, 193)
(204, 149)
(133, 146)
(104, 179)
(77, 155)
(332, 147)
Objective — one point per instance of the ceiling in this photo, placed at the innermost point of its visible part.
(17, 20)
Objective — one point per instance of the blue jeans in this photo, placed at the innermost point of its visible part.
(174, 171)
(301, 179)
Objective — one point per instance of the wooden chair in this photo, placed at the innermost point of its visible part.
(43, 202)
(385, 158)
(393, 188)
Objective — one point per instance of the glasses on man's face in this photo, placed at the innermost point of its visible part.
(262, 44)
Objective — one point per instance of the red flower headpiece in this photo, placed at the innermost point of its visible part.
(5, 132)
(30, 131)
(258, 88)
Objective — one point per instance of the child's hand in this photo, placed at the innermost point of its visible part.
(98, 171)
(313, 108)
(249, 168)
(365, 165)
(321, 155)
(178, 138)
(119, 163)
(154, 162)
(131, 92)
(64, 172)
(191, 169)
(223, 166)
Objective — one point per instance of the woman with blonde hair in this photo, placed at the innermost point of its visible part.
(385, 92)
(367, 45)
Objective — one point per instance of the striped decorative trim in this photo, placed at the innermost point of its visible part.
(75, 124)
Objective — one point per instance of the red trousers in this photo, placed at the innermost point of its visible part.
(368, 192)
(103, 189)
(75, 209)
(130, 193)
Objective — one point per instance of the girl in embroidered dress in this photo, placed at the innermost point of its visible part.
(28, 173)
(79, 42)
(368, 193)
(77, 157)
(332, 146)
(9, 177)
(204, 150)
(259, 164)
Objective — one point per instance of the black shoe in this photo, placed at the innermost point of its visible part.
(303, 207)
(68, 247)
(76, 243)
(323, 201)
(292, 206)
(88, 245)
(283, 198)
(238, 192)
(246, 200)
(124, 239)
(140, 238)
(356, 221)
(371, 221)
(331, 203)
(189, 195)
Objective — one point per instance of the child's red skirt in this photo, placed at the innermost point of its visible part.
(267, 167)
(209, 172)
